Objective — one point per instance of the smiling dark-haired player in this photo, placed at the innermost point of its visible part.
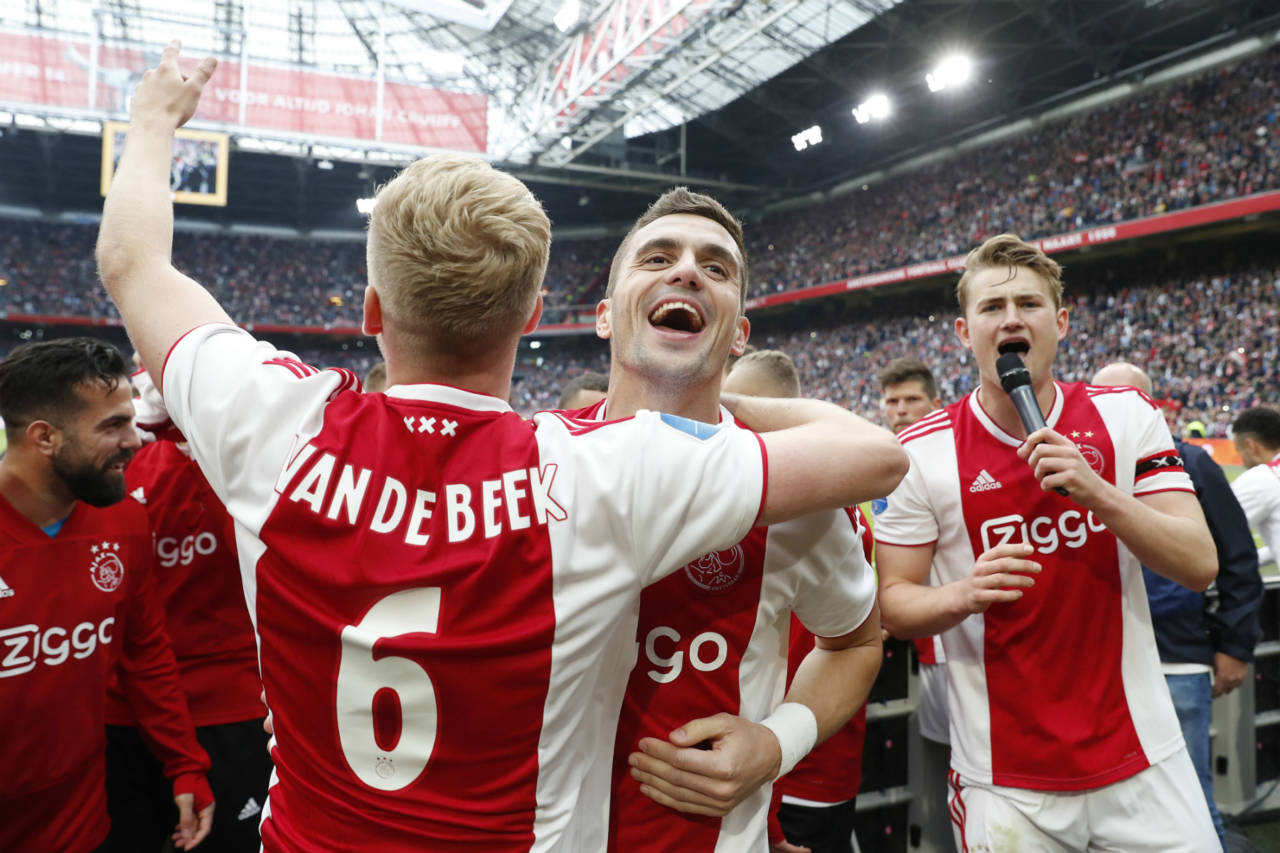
(77, 604)
(1063, 735)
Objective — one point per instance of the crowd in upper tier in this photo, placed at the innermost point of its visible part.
(1207, 339)
(1206, 138)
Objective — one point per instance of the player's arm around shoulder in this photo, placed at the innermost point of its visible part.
(820, 455)
(158, 303)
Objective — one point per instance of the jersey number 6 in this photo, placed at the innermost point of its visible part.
(394, 765)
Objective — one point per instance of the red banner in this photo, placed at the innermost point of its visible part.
(54, 72)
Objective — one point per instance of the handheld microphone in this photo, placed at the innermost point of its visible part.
(1016, 381)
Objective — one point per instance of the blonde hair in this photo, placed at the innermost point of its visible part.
(776, 368)
(457, 251)
(1010, 250)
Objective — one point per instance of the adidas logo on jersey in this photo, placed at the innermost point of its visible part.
(6, 591)
(984, 482)
(139, 495)
(250, 809)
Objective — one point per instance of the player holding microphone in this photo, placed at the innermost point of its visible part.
(1063, 736)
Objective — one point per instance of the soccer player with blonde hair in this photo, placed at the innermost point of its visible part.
(435, 581)
(1063, 736)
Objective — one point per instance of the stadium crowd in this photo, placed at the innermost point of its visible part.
(1210, 341)
(1208, 138)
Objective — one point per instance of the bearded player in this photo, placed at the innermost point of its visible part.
(78, 603)
(1063, 735)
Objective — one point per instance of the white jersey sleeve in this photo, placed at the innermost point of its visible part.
(666, 488)
(236, 398)
(835, 586)
(1155, 446)
(907, 517)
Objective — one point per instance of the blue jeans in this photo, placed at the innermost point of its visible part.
(1192, 700)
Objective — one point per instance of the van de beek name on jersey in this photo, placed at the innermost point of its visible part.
(516, 499)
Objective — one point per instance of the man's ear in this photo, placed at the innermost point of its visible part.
(535, 317)
(740, 336)
(372, 319)
(44, 437)
(604, 320)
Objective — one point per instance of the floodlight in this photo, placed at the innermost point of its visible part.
(875, 107)
(568, 15)
(952, 72)
(808, 136)
(366, 205)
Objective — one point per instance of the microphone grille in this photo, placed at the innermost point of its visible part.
(1012, 371)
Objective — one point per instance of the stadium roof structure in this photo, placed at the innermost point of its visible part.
(637, 95)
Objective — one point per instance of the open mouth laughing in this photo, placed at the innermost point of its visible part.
(677, 315)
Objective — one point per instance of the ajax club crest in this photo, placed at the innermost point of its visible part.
(717, 570)
(1093, 456)
(106, 571)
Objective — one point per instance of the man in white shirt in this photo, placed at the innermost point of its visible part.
(1256, 435)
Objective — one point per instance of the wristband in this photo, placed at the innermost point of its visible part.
(796, 729)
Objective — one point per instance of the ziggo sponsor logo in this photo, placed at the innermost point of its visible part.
(1070, 529)
(26, 645)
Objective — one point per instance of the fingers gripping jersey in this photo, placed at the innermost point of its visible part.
(713, 637)
(435, 584)
(1060, 690)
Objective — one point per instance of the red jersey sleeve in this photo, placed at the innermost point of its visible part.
(149, 679)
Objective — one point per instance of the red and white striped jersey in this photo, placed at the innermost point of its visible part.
(713, 637)
(1062, 689)
(436, 584)
(1258, 491)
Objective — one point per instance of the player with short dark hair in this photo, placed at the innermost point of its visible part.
(1256, 435)
(436, 582)
(1062, 732)
(713, 636)
(77, 601)
(908, 392)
